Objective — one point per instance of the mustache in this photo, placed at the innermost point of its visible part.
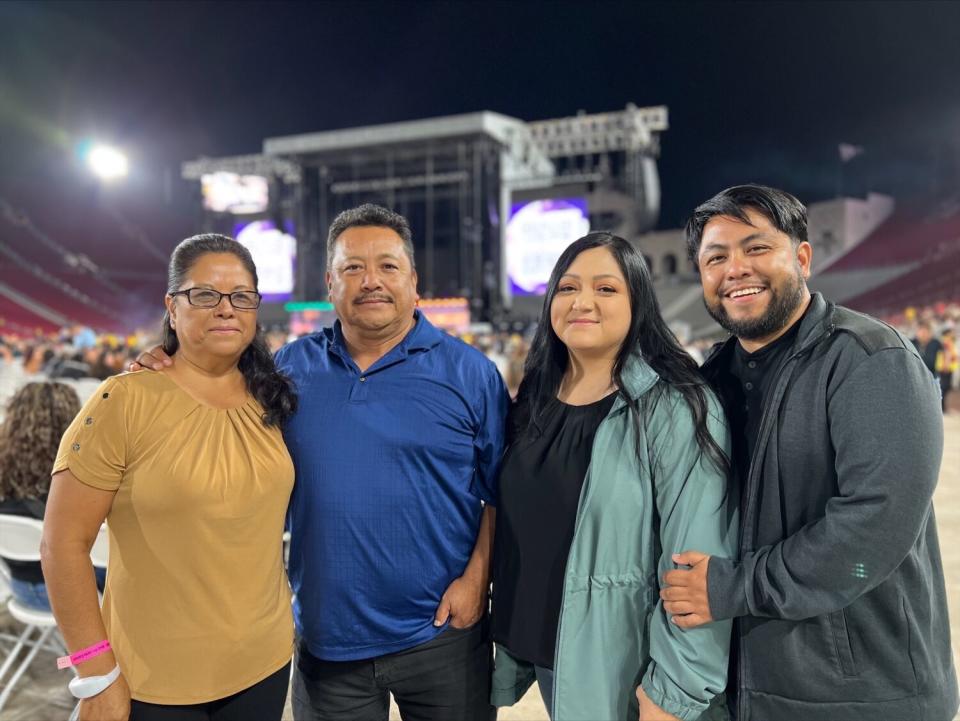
(372, 296)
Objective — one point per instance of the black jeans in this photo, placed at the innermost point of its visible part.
(446, 679)
(261, 702)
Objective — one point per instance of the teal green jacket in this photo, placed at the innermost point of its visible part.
(634, 512)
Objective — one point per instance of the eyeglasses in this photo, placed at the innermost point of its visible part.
(209, 298)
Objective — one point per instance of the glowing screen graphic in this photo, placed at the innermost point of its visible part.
(537, 233)
(274, 253)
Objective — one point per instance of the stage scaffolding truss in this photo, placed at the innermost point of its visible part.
(454, 178)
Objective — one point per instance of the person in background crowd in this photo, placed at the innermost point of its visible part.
(948, 364)
(838, 591)
(396, 445)
(189, 468)
(36, 417)
(618, 453)
(83, 337)
(36, 358)
(516, 351)
(276, 338)
(928, 346)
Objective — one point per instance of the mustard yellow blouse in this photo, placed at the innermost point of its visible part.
(197, 604)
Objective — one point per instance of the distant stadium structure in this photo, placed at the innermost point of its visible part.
(492, 200)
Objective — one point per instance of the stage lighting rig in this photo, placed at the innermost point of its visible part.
(107, 163)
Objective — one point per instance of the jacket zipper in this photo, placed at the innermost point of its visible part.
(783, 379)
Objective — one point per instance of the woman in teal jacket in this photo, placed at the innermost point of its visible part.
(618, 458)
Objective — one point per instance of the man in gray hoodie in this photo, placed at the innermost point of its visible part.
(838, 593)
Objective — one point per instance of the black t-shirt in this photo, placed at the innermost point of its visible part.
(540, 483)
(929, 353)
(755, 373)
(28, 571)
(743, 382)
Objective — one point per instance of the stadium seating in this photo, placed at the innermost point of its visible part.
(18, 320)
(85, 264)
(935, 280)
(907, 236)
(68, 301)
(924, 243)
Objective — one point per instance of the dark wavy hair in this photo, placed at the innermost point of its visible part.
(37, 415)
(272, 390)
(784, 211)
(648, 336)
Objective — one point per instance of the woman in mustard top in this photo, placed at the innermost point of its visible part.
(189, 469)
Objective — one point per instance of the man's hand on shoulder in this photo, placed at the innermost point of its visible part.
(153, 359)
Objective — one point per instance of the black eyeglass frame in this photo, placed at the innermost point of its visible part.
(229, 297)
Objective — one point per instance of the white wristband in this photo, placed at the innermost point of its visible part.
(92, 685)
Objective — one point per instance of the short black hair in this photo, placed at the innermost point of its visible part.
(784, 211)
(368, 215)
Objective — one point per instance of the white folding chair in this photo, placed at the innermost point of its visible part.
(5, 592)
(20, 541)
(4, 582)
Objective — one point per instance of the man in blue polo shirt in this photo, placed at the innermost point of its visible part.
(396, 445)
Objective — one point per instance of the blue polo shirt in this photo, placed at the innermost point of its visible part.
(392, 464)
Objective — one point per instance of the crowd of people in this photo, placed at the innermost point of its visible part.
(934, 332)
(76, 356)
(616, 530)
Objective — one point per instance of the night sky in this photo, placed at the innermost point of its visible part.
(757, 92)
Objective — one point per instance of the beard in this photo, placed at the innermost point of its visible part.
(783, 302)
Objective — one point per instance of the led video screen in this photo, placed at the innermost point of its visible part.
(232, 193)
(537, 233)
(274, 253)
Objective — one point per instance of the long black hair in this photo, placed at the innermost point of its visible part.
(648, 336)
(272, 390)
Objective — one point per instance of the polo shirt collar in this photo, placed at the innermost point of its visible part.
(423, 336)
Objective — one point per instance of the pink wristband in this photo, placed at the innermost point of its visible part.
(84, 654)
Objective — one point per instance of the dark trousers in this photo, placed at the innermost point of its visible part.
(261, 702)
(445, 679)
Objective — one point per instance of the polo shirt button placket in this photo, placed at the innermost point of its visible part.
(358, 391)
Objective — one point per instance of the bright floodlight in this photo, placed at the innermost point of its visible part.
(107, 163)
